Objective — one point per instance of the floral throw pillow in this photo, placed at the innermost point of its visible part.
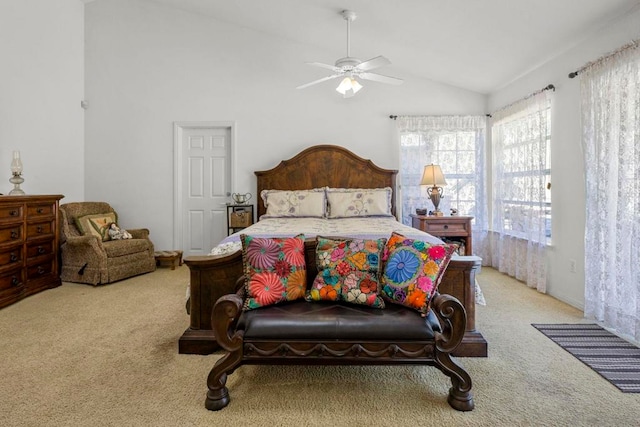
(274, 269)
(96, 224)
(413, 270)
(348, 270)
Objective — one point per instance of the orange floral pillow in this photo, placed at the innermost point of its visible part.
(274, 269)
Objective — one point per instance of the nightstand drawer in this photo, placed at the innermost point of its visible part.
(440, 229)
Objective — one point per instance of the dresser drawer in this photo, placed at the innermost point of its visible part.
(40, 210)
(39, 270)
(11, 281)
(11, 213)
(10, 257)
(40, 229)
(39, 249)
(12, 234)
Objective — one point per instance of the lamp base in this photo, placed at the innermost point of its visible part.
(16, 180)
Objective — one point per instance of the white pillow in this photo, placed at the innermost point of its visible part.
(358, 202)
(294, 203)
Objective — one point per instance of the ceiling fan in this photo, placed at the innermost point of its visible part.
(353, 68)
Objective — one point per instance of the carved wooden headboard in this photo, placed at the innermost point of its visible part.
(325, 165)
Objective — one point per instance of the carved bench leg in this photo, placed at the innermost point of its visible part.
(218, 394)
(460, 396)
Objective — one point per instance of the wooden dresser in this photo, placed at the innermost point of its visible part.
(29, 245)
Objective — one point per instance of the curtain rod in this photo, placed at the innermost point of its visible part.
(547, 87)
(632, 44)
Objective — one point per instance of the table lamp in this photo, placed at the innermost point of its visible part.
(433, 177)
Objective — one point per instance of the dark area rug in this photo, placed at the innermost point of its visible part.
(615, 359)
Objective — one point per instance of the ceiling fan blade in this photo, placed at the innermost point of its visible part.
(324, 79)
(380, 78)
(327, 66)
(370, 64)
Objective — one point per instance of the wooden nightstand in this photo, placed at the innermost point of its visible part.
(239, 217)
(453, 227)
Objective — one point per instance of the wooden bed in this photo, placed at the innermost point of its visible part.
(317, 166)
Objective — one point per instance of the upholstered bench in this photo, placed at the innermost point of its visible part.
(332, 333)
(168, 257)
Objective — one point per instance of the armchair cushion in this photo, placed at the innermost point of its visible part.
(116, 248)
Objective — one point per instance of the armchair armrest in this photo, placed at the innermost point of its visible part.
(79, 245)
(139, 233)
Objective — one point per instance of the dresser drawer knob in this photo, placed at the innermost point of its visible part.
(40, 270)
(13, 213)
(39, 229)
(15, 281)
(446, 227)
(13, 257)
(41, 250)
(14, 234)
(39, 210)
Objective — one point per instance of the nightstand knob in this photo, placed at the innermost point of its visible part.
(446, 226)
(39, 229)
(14, 234)
(39, 210)
(41, 250)
(40, 270)
(13, 213)
(13, 257)
(15, 281)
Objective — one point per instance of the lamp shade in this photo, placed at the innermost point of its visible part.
(16, 164)
(348, 87)
(433, 176)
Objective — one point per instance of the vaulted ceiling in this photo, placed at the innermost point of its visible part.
(479, 45)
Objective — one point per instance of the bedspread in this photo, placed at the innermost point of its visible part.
(361, 228)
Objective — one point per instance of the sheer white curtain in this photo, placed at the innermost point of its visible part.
(521, 203)
(457, 144)
(610, 91)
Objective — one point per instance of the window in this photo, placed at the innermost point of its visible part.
(522, 173)
(457, 144)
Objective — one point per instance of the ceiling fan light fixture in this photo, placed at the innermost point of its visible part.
(350, 67)
(348, 87)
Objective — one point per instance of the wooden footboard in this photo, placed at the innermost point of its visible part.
(215, 276)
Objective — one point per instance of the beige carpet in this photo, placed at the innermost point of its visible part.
(107, 356)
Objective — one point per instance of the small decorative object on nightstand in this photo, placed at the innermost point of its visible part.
(239, 217)
(448, 228)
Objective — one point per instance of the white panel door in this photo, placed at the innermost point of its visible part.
(205, 187)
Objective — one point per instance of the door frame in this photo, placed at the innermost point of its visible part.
(178, 133)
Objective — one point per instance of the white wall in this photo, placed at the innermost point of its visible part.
(148, 65)
(41, 86)
(567, 176)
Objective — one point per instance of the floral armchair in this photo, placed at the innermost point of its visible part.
(90, 256)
